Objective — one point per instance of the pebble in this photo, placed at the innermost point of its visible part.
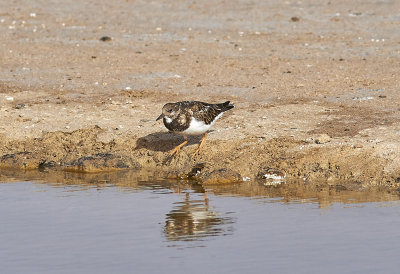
(274, 176)
(366, 98)
(19, 106)
(323, 139)
(105, 39)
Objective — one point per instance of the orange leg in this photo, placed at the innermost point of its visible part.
(178, 148)
(201, 144)
(205, 199)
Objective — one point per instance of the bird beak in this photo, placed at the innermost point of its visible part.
(159, 117)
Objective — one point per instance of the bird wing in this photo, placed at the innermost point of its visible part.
(207, 112)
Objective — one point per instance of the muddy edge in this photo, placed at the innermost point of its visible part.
(315, 88)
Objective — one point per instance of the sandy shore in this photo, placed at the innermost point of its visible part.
(315, 87)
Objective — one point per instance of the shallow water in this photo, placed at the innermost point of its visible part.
(163, 227)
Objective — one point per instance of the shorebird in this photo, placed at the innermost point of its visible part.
(191, 118)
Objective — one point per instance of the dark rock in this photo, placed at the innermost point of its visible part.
(19, 106)
(196, 170)
(105, 39)
(47, 164)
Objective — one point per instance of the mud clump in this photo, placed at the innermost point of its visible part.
(20, 160)
(101, 162)
(79, 150)
(221, 176)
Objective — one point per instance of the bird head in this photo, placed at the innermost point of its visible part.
(169, 111)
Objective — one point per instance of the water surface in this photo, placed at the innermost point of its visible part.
(160, 226)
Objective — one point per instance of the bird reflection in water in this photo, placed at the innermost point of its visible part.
(193, 220)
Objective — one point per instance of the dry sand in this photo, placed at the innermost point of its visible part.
(315, 86)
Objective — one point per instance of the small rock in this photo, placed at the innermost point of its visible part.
(323, 139)
(272, 176)
(271, 173)
(105, 39)
(19, 106)
(196, 170)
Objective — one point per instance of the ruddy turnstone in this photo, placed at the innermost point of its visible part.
(191, 118)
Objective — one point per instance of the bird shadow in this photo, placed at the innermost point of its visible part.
(164, 141)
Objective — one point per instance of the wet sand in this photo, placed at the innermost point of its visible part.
(315, 88)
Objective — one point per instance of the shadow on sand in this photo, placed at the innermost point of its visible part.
(164, 141)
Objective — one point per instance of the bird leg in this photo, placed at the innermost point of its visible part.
(201, 144)
(178, 148)
(205, 198)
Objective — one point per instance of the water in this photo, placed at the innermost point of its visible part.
(128, 225)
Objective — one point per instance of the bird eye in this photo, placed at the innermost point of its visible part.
(169, 110)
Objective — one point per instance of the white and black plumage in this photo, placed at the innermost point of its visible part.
(192, 118)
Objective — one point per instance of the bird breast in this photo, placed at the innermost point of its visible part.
(197, 127)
